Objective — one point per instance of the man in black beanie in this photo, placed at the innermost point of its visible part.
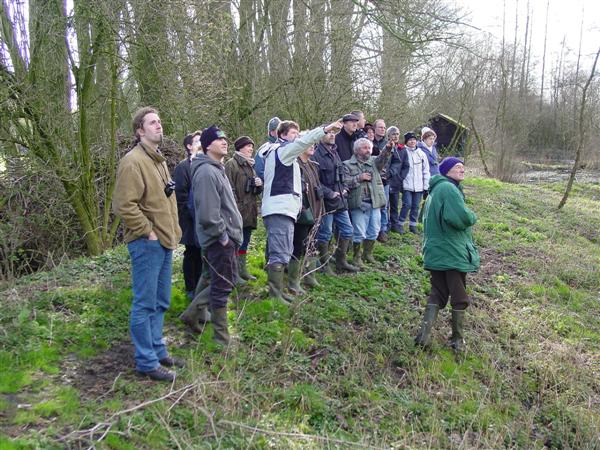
(219, 231)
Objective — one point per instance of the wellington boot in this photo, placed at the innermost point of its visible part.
(324, 257)
(275, 282)
(457, 340)
(310, 279)
(424, 336)
(243, 268)
(357, 255)
(368, 251)
(341, 265)
(294, 277)
(204, 280)
(196, 315)
(219, 321)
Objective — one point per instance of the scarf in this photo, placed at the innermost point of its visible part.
(248, 160)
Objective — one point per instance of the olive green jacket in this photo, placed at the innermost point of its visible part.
(238, 170)
(374, 165)
(139, 198)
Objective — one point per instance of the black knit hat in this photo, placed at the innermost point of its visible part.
(241, 142)
(408, 136)
(209, 135)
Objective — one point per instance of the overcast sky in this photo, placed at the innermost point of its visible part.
(564, 21)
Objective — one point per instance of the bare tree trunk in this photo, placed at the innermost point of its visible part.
(544, 57)
(582, 130)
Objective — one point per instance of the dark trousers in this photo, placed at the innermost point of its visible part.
(301, 233)
(394, 201)
(222, 262)
(247, 234)
(192, 267)
(448, 283)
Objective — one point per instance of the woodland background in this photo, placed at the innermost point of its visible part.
(71, 74)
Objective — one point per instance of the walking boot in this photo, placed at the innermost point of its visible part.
(412, 229)
(243, 268)
(398, 228)
(219, 321)
(382, 237)
(357, 256)
(275, 282)
(294, 277)
(368, 251)
(424, 336)
(324, 257)
(341, 264)
(457, 341)
(310, 279)
(196, 315)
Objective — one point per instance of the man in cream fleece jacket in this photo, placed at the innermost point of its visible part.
(143, 200)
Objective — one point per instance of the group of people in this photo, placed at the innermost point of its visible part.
(321, 192)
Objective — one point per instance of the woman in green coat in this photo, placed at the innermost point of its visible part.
(448, 250)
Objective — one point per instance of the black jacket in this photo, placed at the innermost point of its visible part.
(399, 167)
(331, 175)
(378, 146)
(344, 144)
(183, 179)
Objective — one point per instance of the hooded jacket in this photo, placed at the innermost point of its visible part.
(448, 240)
(139, 198)
(216, 212)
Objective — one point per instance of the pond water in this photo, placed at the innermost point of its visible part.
(557, 175)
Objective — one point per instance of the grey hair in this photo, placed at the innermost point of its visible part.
(391, 130)
(360, 143)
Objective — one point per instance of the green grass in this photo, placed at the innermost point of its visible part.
(338, 369)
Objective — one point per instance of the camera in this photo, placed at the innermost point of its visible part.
(169, 188)
(251, 186)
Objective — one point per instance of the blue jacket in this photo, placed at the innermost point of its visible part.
(432, 157)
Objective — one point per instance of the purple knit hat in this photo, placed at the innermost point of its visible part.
(448, 163)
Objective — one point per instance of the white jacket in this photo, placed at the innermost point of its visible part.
(417, 179)
(282, 176)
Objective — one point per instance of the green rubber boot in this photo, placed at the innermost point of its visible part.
(357, 260)
(424, 336)
(457, 340)
(310, 280)
(368, 251)
(196, 315)
(219, 321)
(324, 257)
(341, 265)
(294, 277)
(275, 282)
(243, 269)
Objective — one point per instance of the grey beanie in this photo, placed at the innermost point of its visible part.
(273, 124)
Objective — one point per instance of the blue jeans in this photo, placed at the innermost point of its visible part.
(385, 223)
(410, 201)
(342, 221)
(151, 266)
(367, 223)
